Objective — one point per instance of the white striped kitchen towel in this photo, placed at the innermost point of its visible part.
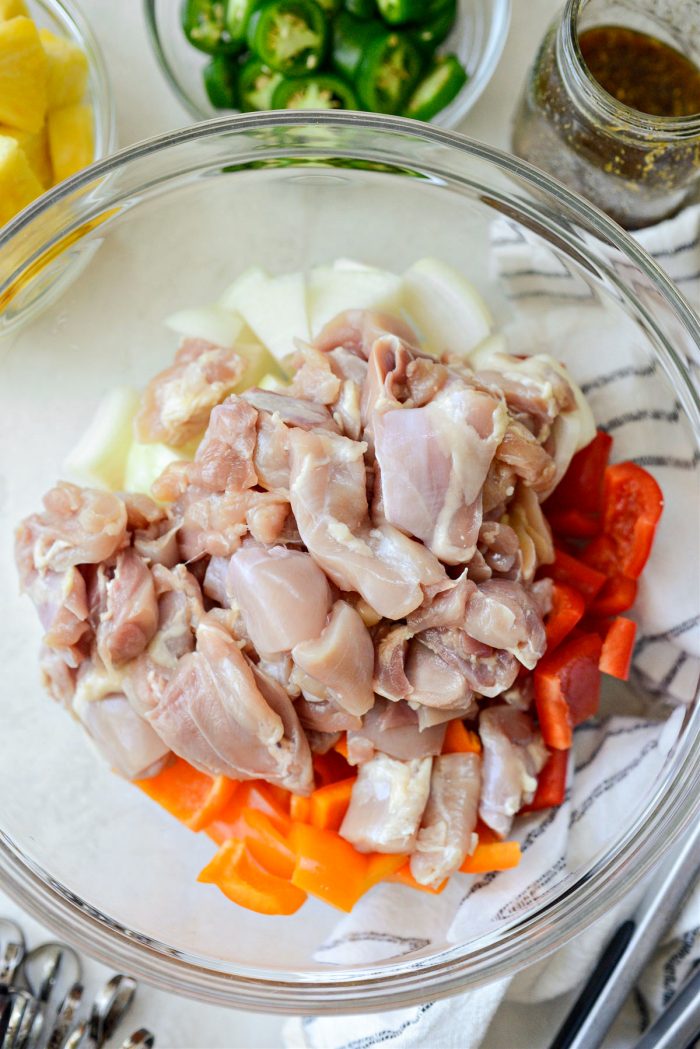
(614, 758)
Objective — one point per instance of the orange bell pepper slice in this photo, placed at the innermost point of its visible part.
(300, 809)
(460, 740)
(191, 796)
(253, 794)
(237, 873)
(492, 856)
(327, 866)
(267, 844)
(342, 746)
(330, 803)
(381, 866)
(404, 877)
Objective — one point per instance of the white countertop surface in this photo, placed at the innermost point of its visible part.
(145, 107)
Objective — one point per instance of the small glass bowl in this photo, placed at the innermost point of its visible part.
(478, 39)
(66, 19)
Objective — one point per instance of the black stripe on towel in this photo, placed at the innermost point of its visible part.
(620, 373)
(670, 985)
(670, 462)
(627, 730)
(655, 414)
(667, 635)
(612, 781)
(384, 1036)
(409, 943)
(667, 253)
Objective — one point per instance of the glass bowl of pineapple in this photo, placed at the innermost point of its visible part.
(56, 117)
(56, 106)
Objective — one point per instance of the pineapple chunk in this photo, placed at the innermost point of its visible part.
(35, 147)
(18, 183)
(23, 75)
(12, 9)
(68, 70)
(70, 140)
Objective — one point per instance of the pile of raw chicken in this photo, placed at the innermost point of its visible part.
(354, 554)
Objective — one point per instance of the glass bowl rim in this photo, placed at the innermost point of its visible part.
(450, 116)
(554, 921)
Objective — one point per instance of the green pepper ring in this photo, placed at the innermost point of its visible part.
(266, 24)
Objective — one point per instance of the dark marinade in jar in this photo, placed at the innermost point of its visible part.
(624, 162)
(641, 71)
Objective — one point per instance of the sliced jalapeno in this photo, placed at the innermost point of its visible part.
(443, 81)
(396, 12)
(288, 35)
(330, 7)
(428, 35)
(387, 72)
(238, 14)
(256, 85)
(221, 82)
(318, 91)
(203, 22)
(351, 37)
(362, 8)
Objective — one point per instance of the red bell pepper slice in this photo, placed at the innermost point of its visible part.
(567, 609)
(581, 487)
(574, 524)
(618, 594)
(567, 688)
(569, 570)
(551, 783)
(616, 653)
(632, 505)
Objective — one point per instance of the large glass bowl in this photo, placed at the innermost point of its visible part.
(169, 223)
(478, 38)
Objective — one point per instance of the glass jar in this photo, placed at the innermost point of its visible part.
(637, 167)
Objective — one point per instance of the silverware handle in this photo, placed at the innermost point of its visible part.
(679, 1024)
(586, 1028)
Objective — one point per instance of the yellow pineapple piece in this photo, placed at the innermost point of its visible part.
(68, 70)
(70, 140)
(23, 75)
(18, 183)
(12, 9)
(35, 146)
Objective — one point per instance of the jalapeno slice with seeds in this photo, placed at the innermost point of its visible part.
(351, 37)
(430, 34)
(238, 14)
(442, 82)
(362, 8)
(221, 82)
(396, 12)
(203, 22)
(388, 72)
(288, 35)
(256, 85)
(320, 91)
